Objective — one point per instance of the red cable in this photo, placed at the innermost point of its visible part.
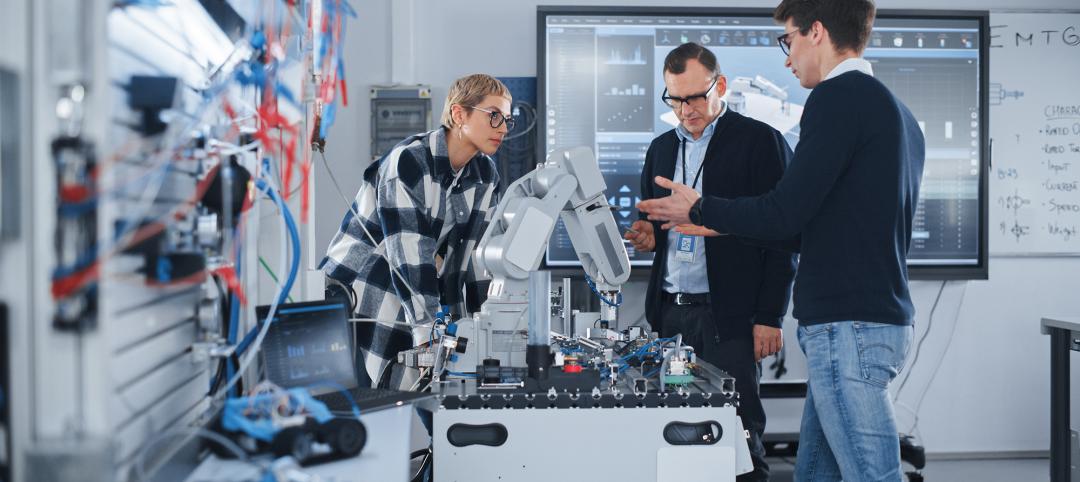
(66, 286)
(228, 273)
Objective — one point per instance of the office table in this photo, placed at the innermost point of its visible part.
(1064, 336)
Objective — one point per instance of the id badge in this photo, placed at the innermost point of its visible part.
(685, 248)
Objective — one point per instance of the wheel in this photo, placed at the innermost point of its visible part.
(293, 441)
(346, 436)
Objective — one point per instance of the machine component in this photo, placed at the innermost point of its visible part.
(603, 333)
(566, 312)
(513, 327)
(397, 112)
(464, 435)
(560, 306)
(75, 241)
(741, 85)
(289, 423)
(165, 268)
(206, 230)
(641, 386)
(523, 401)
(580, 365)
(538, 349)
(484, 414)
(225, 196)
(210, 313)
(701, 433)
(129, 224)
(531, 432)
(677, 365)
(700, 417)
(760, 98)
(149, 96)
(568, 185)
(495, 377)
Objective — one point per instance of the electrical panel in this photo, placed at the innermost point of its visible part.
(177, 158)
(398, 112)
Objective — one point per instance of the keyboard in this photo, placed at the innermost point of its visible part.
(368, 399)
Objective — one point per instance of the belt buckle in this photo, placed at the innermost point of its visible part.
(679, 300)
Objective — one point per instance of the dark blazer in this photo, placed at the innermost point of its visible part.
(749, 283)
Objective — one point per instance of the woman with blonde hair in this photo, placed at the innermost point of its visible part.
(428, 197)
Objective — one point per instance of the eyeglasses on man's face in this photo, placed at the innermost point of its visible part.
(496, 119)
(693, 100)
(785, 42)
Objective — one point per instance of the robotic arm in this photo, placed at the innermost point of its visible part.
(568, 185)
(741, 86)
(759, 84)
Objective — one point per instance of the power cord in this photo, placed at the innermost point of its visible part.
(937, 367)
(918, 347)
(371, 239)
(425, 464)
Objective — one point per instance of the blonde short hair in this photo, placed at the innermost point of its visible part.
(470, 91)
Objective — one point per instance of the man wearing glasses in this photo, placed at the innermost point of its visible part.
(851, 192)
(726, 295)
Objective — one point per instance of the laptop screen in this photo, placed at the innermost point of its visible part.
(308, 346)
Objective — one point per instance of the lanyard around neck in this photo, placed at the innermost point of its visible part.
(700, 168)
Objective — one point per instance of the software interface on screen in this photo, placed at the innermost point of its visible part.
(308, 345)
(603, 83)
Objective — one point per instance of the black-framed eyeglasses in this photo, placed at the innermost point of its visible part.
(496, 119)
(785, 42)
(677, 102)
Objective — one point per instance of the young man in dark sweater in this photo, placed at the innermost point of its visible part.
(850, 192)
(727, 296)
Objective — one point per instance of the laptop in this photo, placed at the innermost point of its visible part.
(308, 346)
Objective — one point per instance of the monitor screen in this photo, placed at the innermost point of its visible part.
(308, 346)
(600, 84)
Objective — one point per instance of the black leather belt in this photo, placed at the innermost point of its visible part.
(681, 299)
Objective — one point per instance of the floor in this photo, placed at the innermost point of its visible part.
(985, 470)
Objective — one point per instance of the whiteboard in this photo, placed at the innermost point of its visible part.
(1034, 133)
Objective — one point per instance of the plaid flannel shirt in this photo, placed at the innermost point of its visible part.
(406, 199)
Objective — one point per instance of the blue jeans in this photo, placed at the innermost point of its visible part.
(848, 427)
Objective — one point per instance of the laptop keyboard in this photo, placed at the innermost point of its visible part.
(367, 398)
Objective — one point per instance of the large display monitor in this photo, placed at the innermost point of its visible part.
(600, 82)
